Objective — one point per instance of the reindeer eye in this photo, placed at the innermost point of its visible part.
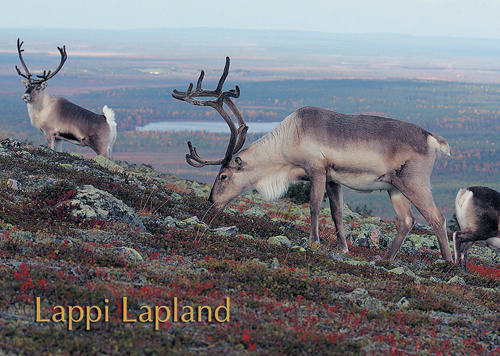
(223, 177)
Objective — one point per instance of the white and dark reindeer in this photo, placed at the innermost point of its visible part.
(59, 119)
(478, 215)
(363, 153)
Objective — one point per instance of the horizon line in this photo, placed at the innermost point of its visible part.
(13, 28)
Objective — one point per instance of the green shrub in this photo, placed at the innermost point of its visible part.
(299, 192)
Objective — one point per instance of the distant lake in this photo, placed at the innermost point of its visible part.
(254, 127)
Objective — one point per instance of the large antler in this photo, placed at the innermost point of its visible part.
(238, 136)
(19, 50)
(46, 74)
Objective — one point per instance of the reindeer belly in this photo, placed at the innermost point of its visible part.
(70, 133)
(68, 136)
(364, 182)
(363, 174)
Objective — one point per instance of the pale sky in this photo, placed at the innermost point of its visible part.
(440, 18)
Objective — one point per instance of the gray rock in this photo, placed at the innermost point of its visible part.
(176, 197)
(13, 184)
(348, 214)
(362, 242)
(458, 280)
(279, 240)
(361, 297)
(10, 142)
(435, 279)
(254, 211)
(5, 152)
(96, 203)
(190, 221)
(357, 263)
(69, 167)
(129, 254)
(403, 303)
(256, 260)
(338, 257)
(275, 264)
(200, 190)
(369, 236)
(420, 241)
(226, 230)
(50, 180)
(403, 270)
(108, 164)
(423, 227)
(358, 293)
(170, 221)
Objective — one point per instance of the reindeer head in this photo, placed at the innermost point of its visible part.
(35, 86)
(231, 180)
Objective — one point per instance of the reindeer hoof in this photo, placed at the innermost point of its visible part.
(314, 245)
(343, 249)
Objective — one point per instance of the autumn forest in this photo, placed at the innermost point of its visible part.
(467, 115)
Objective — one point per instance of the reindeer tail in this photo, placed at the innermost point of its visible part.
(110, 119)
(442, 145)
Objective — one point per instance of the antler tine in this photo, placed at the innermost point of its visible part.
(189, 94)
(225, 73)
(19, 50)
(200, 81)
(195, 160)
(200, 162)
(47, 75)
(44, 75)
(184, 95)
(237, 137)
(243, 128)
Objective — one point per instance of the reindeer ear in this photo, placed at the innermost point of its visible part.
(26, 83)
(239, 162)
(43, 85)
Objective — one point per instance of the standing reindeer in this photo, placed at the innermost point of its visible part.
(59, 119)
(478, 214)
(363, 153)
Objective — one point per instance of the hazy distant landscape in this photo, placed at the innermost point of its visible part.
(449, 86)
(100, 59)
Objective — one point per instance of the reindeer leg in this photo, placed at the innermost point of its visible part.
(97, 145)
(421, 198)
(459, 247)
(57, 144)
(402, 206)
(51, 141)
(318, 182)
(335, 198)
(463, 241)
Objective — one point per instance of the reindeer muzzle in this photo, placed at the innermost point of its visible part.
(216, 205)
(26, 98)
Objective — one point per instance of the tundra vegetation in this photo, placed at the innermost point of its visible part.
(285, 299)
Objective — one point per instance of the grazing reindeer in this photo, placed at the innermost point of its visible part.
(363, 153)
(60, 119)
(478, 214)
